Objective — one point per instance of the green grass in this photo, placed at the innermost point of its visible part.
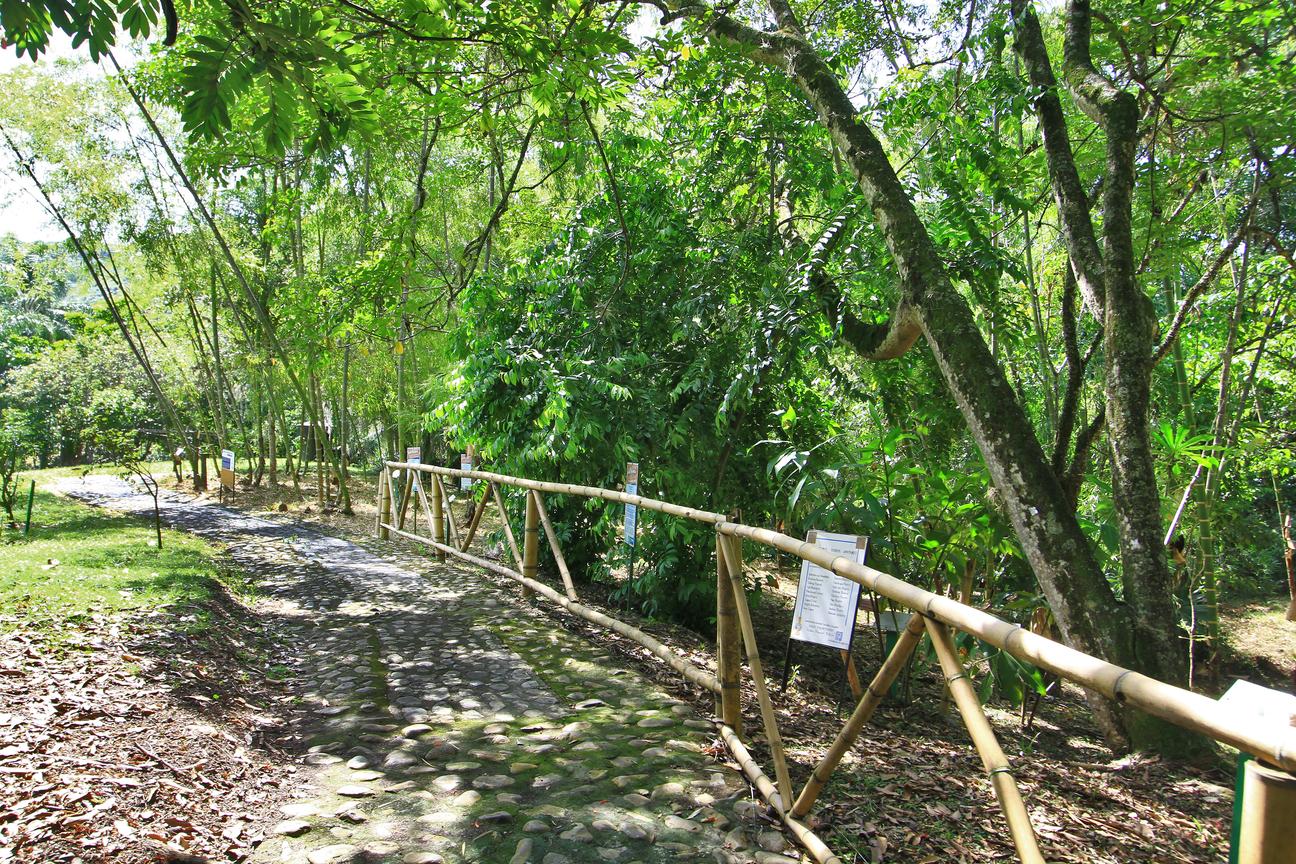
(106, 562)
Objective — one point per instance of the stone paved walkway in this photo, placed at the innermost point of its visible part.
(453, 723)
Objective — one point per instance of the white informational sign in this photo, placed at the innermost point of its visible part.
(1267, 709)
(412, 455)
(631, 511)
(227, 460)
(826, 603)
(465, 464)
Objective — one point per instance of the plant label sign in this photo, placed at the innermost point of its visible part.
(1268, 709)
(631, 511)
(412, 455)
(826, 604)
(465, 464)
(227, 469)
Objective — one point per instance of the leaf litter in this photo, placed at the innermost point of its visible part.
(133, 737)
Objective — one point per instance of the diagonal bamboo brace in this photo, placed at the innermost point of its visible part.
(734, 563)
(863, 713)
(454, 527)
(553, 545)
(992, 756)
(406, 494)
(476, 518)
(423, 502)
(508, 529)
(728, 646)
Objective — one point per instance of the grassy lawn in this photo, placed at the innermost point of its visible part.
(106, 562)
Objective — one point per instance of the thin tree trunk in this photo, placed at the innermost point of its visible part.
(272, 444)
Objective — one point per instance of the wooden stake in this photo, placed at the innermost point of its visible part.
(863, 713)
(476, 519)
(508, 529)
(553, 546)
(992, 756)
(852, 675)
(733, 560)
(728, 640)
(531, 543)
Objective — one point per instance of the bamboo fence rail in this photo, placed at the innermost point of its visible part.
(935, 613)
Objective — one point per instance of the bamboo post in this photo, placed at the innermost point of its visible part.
(733, 560)
(531, 543)
(392, 496)
(1268, 830)
(877, 689)
(508, 529)
(384, 503)
(992, 756)
(454, 526)
(476, 518)
(438, 518)
(728, 638)
(553, 545)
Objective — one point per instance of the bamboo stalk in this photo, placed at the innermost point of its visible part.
(816, 847)
(553, 545)
(992, 755)
(733, 561)
(877, 689)
(728, 640)
(508, 529)
(476, 518)
(697, 676)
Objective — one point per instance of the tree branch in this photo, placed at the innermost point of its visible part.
(1068, 192)
(1207, 279)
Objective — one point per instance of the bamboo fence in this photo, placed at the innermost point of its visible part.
(935, 614)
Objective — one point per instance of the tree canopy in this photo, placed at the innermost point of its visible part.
(1007, 289)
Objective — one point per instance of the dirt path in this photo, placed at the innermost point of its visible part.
(452, 723)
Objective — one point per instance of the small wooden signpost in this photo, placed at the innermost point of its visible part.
(826, 604)
(227, 475)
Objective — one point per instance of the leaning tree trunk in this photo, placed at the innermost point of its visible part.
(1083, 602)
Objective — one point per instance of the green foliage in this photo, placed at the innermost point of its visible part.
(28, 26)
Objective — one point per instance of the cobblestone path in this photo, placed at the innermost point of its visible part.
(453, 723)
